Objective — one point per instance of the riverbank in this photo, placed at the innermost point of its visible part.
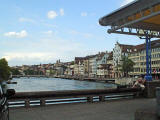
(81, 78)
(92, 79)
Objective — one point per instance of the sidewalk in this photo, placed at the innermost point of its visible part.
(109, 110)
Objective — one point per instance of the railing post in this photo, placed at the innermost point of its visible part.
(101, 98)
(27, 103)
(90, 99)
(42, 102)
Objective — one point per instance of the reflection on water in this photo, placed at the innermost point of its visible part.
(54, 84)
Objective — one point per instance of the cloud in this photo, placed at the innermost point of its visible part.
(125, 2)
(21, 34)
(44, 50)
(84, 14)
(25, 56)
(61, 12)
(26, 20)
(52, 14)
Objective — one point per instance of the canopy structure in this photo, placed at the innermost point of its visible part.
(135, 18)
(141, 18)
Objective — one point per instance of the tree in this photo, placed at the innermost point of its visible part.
(127, 65)
(15, 71)
(4, 70)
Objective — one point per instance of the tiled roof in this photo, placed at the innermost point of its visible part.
(79, 59)
(90, 56)
(110, 56)
(126, 48)
(154, 44)
(140, 47)
(100, 55)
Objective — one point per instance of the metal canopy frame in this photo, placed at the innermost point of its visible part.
(119, 22)
(132, 19)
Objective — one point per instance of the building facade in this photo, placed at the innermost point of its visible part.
(119, 51)
(139, 57)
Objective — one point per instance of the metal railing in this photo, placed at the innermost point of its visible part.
(27, 99)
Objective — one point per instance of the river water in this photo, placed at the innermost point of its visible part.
(55, 84)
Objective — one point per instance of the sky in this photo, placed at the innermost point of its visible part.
(43, 31)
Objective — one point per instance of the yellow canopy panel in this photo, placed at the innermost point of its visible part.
(131, 19)
(151, 20)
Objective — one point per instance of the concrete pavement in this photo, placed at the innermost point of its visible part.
(109, 110)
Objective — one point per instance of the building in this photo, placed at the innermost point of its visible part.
(69, 69)
(139, 57)
(119, 51)
(93, 66)
(102, 67)
(79, 66)
(110, 64)
(86, 66)
(59, 68)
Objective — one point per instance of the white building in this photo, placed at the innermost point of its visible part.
(119, 51)
(79, 66)
(102, 64)
(93, 66)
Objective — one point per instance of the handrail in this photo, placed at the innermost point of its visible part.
(67, 93)
(70, 95)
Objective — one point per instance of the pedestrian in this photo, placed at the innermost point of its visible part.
(139, 83)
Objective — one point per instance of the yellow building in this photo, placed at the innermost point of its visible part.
(139, 57)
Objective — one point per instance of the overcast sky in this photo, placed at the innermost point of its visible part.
(42, 31)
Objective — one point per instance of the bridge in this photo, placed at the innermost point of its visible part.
(109, 110)
(110, 104)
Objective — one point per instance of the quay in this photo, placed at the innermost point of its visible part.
(82, 78)
(109, 110)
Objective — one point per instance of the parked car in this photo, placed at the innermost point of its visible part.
(4, 110)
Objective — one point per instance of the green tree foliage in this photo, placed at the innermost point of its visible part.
(127, 65)
(29, 72)
(32, 72)
(4, 70)
(72, 63)
(15, 71)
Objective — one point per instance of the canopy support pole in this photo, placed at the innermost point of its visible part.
(148, 76)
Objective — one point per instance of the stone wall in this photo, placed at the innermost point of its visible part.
(150, 91)
(125, 81)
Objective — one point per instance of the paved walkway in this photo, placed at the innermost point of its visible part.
(111, 110)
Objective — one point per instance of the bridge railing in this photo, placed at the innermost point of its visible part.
(27, 99)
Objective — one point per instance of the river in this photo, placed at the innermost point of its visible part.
(55, 84)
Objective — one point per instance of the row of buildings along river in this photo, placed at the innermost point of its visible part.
(102, 64)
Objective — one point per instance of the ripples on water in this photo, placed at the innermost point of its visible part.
(55, 84)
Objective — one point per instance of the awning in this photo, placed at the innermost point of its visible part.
(136, 18)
